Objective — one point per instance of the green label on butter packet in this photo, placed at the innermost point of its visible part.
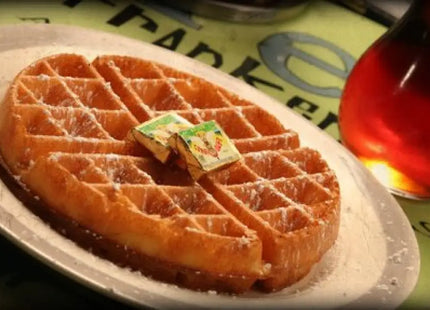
(162, 127)
(209, 145)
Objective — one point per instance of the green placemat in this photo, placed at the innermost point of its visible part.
(302, 62)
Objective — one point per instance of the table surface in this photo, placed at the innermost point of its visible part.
(235, 49)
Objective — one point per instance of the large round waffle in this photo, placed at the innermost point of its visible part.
(265, 220)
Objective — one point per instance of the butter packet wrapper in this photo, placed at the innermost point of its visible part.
(204, 147)
(155, 133)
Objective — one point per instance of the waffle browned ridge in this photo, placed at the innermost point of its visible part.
(262, 222)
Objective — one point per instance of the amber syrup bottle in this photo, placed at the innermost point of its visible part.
(384, 115)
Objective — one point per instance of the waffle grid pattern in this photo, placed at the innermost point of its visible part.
(76, 117)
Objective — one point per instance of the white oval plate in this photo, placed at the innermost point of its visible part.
(375, 260)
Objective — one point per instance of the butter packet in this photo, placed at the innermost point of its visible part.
(155, 133)
(204, 147)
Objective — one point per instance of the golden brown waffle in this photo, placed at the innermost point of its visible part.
(265, 220)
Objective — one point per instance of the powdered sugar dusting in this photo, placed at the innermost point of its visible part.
(397, 257)
(244, 241)
(43, 77)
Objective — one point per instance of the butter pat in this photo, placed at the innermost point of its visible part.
(154, 134)
(204, 147)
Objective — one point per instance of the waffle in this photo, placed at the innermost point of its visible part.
(262, 222)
